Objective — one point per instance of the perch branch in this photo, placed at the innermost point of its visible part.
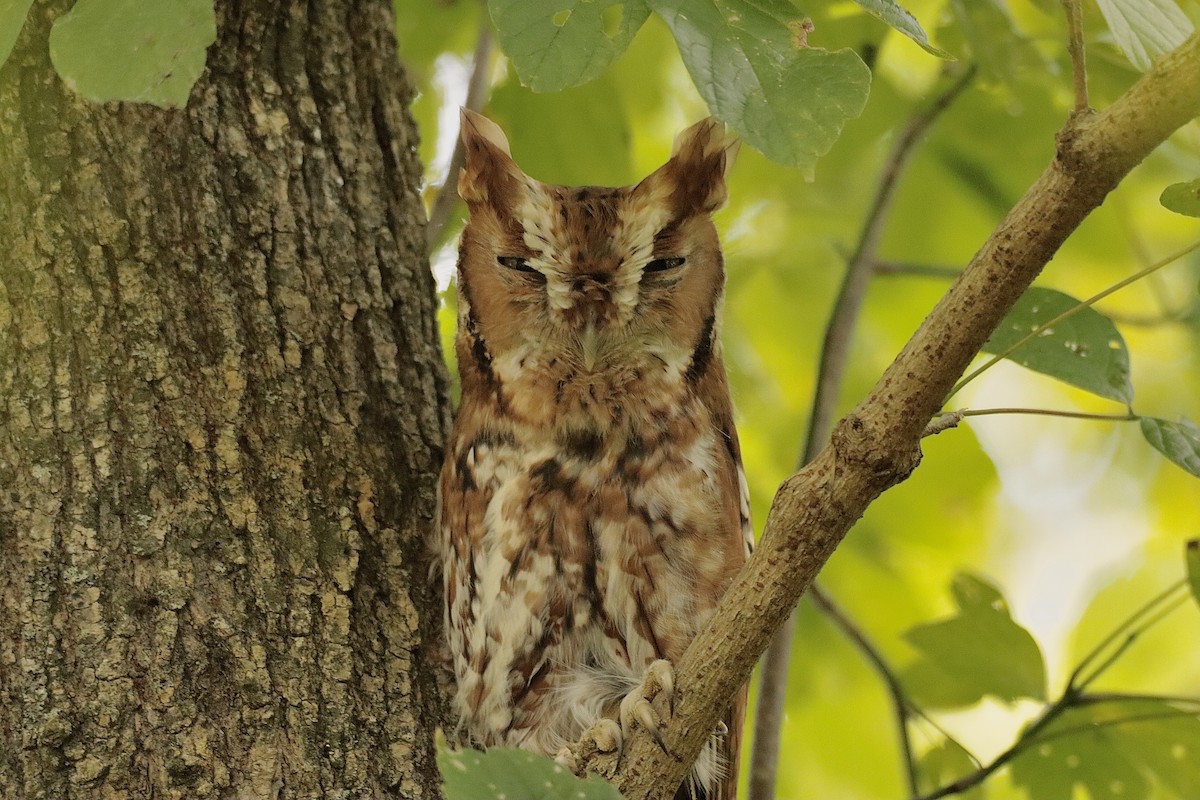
(835, 352)
(878, 444)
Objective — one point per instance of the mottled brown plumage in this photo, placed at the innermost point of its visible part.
(593, 504)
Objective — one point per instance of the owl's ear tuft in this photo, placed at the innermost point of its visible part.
(489, 173)
(693, 181)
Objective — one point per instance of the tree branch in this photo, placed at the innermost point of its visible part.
(835, 353)
(877, 444)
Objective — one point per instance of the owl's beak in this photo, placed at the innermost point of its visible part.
(589, 340)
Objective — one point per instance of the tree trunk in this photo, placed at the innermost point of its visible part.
(222, 406)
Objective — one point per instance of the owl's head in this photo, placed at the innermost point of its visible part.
(595, 270)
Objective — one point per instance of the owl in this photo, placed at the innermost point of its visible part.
(593, 503)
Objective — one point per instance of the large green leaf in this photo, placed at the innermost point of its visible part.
(1145, 29)
(149, 51)
(516, 774)
(750, 63)
(902, 20)
(1114, 750)
(557, 44)
(1182, 198)
(1178, 441)
(979, 652)
(12, 19)
(1084, 350)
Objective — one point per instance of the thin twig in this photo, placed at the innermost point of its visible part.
(900, 703)
(973, 779)
(1130, 638)
(1075, 730)
(1078, 58)
(1070, 312)
(1045, 412)
(1166, 317)
(942, 421)
(918, 270)
(1033, 736)
(1075, 680)
(1073, 695)
(768, 715)
(477, 91)
(1096, 698)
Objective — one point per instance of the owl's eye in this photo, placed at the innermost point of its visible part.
(515, 263)
(664, 264)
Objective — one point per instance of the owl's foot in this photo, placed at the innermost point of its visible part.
(606, 737)
(603, 737)
(660, 679)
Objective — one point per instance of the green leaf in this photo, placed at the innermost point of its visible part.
(972, 592)
(944, 764)
(1114, 751)
(1085, 350)
(1182, 198)
(902, 20)
(1145, 29)
(12, 19)
(149, 51)
(750, 64)
(557, 44)
(1192, 557)
(978, 653)
(516, 774)
(1178, 441)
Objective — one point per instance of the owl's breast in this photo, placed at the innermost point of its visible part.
(594, 384)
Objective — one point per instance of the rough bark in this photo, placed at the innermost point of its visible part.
(222, 405)
(878, 444)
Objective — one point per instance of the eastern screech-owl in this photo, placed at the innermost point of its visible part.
(593, 504)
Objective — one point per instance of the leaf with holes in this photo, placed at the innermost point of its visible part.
(507, 772)
(752, 64)
(147, 51)
(1182, 198)
(557, 44)
(1178, 441)
(12, 19)
(1084, 350)
(1115, 751)
(1145, 29)
(899, 17)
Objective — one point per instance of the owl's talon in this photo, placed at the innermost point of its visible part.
(660, 679)
(636, 707)
(664, 675)
(605, 735)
